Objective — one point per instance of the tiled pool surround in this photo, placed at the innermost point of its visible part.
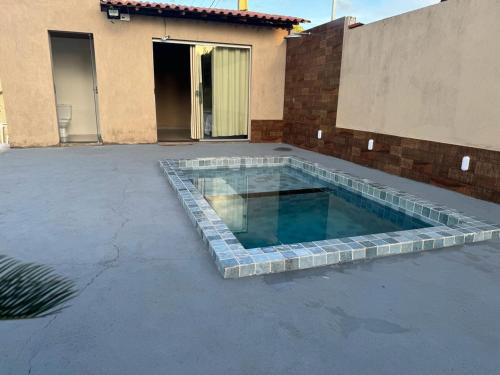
(450, 227)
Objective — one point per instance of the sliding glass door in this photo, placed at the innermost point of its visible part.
(220, 89)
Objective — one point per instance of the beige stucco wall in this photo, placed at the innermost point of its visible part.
(431, 74)
(124, 64)
(3, 117)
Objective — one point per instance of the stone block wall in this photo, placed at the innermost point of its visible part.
(313, 77)
(267, 131)
(426, 161)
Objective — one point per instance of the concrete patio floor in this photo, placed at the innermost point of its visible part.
(107, 218)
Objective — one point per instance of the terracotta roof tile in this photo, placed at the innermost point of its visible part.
(198, 12)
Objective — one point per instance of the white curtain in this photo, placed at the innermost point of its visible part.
(230, 80)
(196, 93)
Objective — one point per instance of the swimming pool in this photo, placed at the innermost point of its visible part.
(269, 206)
(273, 214)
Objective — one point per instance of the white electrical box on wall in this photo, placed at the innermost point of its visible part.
(370, 144)
(320, 134)
(465, 163)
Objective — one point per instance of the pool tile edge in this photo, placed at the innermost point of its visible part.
(450, 227)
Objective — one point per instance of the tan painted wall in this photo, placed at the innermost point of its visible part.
(3, 117)
(124, 64)
(431, 74)
(74, 83)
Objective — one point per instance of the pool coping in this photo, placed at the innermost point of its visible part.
(450, 227)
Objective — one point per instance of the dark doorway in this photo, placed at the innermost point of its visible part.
(172, 91)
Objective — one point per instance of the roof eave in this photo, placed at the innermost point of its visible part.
(204, 16)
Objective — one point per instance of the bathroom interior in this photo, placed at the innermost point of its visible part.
(75, 87)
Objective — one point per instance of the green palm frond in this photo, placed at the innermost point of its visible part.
(30, 290)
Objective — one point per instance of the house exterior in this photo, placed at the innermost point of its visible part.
(413, 95)
(72, 58)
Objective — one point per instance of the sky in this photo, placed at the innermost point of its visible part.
(319, 11)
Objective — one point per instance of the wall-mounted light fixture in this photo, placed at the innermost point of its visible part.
(465, 163)
(320, 134)
(113, 13)
(370, 144)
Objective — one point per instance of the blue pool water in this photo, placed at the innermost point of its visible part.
(281, 205)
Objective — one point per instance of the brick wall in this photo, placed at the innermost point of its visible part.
(311, 96)
(312, 77)
(431, 162)
(264, 131)
(311, 85)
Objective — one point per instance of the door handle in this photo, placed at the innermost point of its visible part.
(199, 93)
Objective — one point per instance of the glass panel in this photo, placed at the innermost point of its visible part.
(281, 205)
(206, 67)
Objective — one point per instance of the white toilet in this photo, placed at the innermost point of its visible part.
(63, 120)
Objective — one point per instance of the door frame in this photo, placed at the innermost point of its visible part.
(228, 45)
(90, 37)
